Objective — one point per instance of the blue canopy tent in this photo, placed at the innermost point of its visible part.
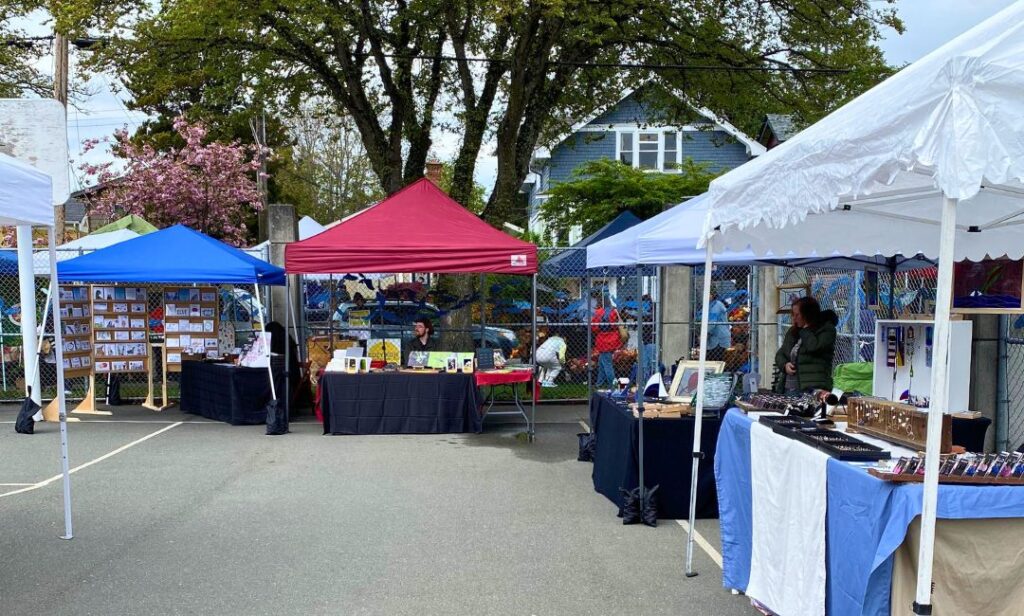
(176, 255)
(572, 263)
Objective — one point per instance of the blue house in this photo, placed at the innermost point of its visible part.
(631, 130)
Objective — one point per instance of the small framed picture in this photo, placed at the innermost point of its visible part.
(452, 364)
(684, 382)
(789, 293)
(351, 365)
(364, 364)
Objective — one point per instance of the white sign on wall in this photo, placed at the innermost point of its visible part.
(35, 132)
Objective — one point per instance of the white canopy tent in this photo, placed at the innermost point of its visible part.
(26, 200)
(86, 243)
(930, 161)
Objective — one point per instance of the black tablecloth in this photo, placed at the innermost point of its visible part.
(668, 456)
(399, 403)
(970, 433)
(234, 394)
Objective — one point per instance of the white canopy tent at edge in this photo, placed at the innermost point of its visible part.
(930, 161)
(26, 197)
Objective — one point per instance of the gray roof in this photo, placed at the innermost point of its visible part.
(782, 125)
(74, 211)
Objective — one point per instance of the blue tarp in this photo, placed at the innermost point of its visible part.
(572, 263)
(173, 255)
(8, 262)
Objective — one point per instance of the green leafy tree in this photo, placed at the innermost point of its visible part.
(403, 70)
(602, 189)
(20, 53)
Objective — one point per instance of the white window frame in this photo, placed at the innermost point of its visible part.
(636, 132)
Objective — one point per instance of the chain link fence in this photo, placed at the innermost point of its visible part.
(1010, 421)
(238, 311)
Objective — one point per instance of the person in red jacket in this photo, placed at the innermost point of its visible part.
(605, 325)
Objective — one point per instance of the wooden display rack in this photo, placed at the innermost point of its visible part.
(76, 321)
(894, 422)
(952, 479)
(191, 317)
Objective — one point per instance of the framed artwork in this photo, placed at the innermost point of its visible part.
(467, 365)
(452, 364)
(789, 293)
(418, 359)
(684, 382)
(352, 365)
(870, 286)
(991, 286)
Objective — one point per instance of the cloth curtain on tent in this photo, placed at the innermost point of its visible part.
(930, 161)
(26, 199)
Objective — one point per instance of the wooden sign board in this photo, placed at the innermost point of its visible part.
(120, 329)
(191, 316)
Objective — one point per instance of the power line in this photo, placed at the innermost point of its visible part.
(627, 65)
(90, 43)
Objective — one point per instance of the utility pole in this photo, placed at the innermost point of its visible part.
(60, 92)
(258, 125)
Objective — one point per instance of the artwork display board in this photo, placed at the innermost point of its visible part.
(190, 323)
(76, 320)
(904, 359)
(120, 328)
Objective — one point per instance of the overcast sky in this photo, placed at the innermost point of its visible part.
(929, 24)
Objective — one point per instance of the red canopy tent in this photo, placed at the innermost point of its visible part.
(417, 229)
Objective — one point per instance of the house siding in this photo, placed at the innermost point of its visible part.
(715, 148)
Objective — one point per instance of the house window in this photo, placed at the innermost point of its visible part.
(648, 154)
(670, 160)
(626, 148)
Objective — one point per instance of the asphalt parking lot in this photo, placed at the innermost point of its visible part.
(178, 515)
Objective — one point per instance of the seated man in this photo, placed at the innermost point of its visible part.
(422, 340)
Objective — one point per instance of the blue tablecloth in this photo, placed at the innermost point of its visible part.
(867, 520)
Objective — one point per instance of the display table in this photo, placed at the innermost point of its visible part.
(668, 458)
(867, 521)
(511, 378)
(226, 392)
(399, 403)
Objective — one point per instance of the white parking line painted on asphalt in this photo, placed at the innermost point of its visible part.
(703, 543)
(46, 482)
(584, 425)
(11, 485)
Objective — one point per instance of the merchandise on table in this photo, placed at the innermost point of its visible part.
(896, 423)
(802, 405)
(836, 444)
(1006, 468)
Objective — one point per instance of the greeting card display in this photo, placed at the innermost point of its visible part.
(120, 335)
(190, 323)
(76, 321)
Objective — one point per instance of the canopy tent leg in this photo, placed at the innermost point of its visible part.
(590, 342)
(701, 368)
(483, 306)
(61, 405)
(939, 395)
(532, 428)
(640, 378)
(263, 323)
(27, 288)
(656, 298)
(287, 349)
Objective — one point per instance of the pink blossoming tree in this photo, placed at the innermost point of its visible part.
(210, 187)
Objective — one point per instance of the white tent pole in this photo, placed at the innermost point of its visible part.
(701, 367)
(640, 380)
(263, 321)
(532, 387)
(27, 286)
(936, 407)
(58, 336)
